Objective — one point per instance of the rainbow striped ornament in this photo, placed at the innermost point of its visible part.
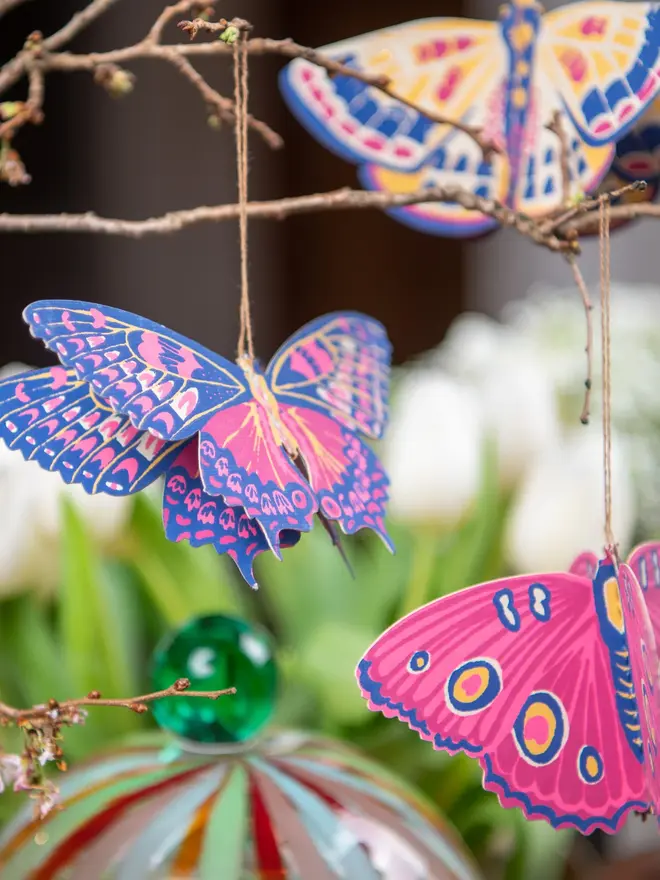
(290, 806)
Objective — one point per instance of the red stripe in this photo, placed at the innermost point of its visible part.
(268, 862)
(68, 849)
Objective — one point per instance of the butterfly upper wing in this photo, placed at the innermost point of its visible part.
(644, 663)
(344, 473)
(602, 57)
(190, 514)
(339, 365)
(454, 68)
(644, 560)
(163, 382)
(53, 418)
(491, 671)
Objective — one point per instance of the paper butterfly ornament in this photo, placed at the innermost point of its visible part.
(549, 681)
(594, 64)
(249, 456)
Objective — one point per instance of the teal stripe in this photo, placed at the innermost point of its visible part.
(151, 850)
(430, 836)
(338, 846)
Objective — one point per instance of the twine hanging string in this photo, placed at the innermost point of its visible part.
(605, 324)
(245, 344)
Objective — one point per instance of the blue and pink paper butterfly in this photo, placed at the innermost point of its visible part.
(595, 64)
(550, 681)
(249, 457)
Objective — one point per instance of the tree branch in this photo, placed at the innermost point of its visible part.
(293, 50)
(54, 711)
(337, 200)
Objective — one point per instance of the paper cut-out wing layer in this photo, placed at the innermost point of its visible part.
(331, 380)
(449, 67)
(602, 57)
(592, 64)
(645, 563)
(520, 674)
(190, 514)
(241, 460)
(339, 365)
(163, 382)
(53, 418)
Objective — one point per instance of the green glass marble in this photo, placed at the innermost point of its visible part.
(216, 652)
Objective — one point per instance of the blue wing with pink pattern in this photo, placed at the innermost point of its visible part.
(191, 514)
(331, 381)
(53, 418)
(338, 365)
(163, 382)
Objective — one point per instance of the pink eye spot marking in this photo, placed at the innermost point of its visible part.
(448, 85)
(594, 26)
(574, 63)
(536, 730)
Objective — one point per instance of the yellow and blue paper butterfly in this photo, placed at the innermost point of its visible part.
(594, 66)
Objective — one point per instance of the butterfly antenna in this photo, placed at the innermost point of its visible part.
(333, 531)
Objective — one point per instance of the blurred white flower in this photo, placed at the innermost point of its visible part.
(559, 509)
(552, 321)
(516, 394)
(434, 448)
(30, 517)
(10, 768)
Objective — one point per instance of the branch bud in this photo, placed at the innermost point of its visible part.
(115, 80)
(230, 34)
(9, 109)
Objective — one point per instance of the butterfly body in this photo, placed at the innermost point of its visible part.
(588, 70)
(135, 401)
(541, 678)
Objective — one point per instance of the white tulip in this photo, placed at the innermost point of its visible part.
(559, 511)
(434, 448)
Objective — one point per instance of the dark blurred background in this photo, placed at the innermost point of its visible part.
(154, 151)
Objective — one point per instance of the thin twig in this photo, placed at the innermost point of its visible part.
(588, 205)
(31, 110)
(7, 5)
(55, 709)
(336, 200)
(588, 307)
(557, 129)
(224, 107)
(378, 81)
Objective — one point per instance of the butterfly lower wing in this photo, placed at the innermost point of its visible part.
(163, 382)
(602, 57)
(190, 514)
(448, 67)
(585, 565)
(464, 670)
(338, 364)
(241, 461)
(458, 162)
(53, 418)
(345, 475)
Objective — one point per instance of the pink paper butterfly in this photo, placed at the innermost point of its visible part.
(550, 681)
(249, 456)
